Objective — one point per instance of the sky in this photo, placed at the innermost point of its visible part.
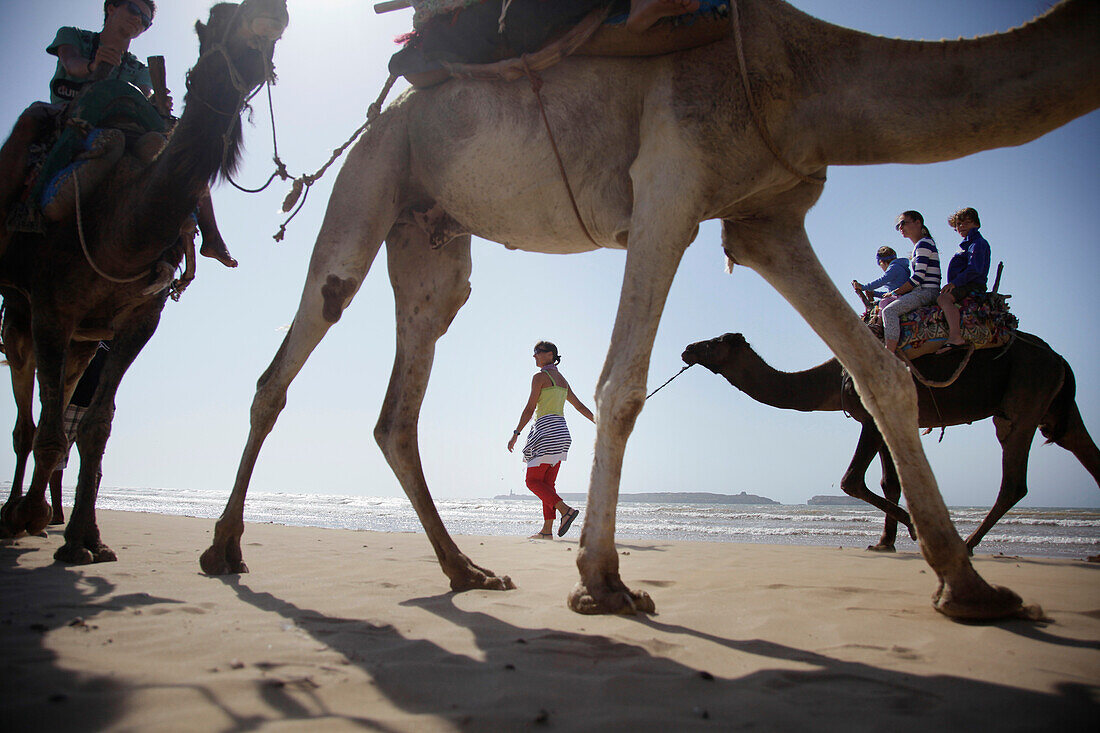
(183, 408)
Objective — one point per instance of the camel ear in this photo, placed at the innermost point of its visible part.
(200, 31)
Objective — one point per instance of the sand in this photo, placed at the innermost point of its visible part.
(338, 630)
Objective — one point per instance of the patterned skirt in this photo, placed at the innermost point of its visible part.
(548, 441)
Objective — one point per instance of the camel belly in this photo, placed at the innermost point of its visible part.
(528, 207)
(488, 161)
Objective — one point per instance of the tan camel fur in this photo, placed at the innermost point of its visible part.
(131, 222)
(653, 147)
(1023, 386)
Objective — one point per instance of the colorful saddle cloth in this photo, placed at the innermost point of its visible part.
(986, 323)
(111, 103)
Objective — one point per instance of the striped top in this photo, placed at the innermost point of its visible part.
(926, 265)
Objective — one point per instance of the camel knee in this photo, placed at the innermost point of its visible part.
(22, 437)
(95, 429)
(853, 486)
(619, 408)
(890, 391)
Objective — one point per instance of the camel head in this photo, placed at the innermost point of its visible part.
(236, 50)
(715, 352)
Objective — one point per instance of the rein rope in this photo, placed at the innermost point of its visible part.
(689, 366)
(756, 116)
(301, 185)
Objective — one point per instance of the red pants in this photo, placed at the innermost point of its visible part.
(540, 479)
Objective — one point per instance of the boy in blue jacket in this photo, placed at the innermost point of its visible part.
(966, 273)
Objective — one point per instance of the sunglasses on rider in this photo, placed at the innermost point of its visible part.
(133, 9)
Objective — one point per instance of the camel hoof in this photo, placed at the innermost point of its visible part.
(993, 603)
(30, 517)
(57, 519)
(214, 562)
(102, 553)
(624, 602)
(74, 555)
(472, 577)
(880, 547)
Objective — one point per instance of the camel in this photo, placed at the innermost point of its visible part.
(131, 225)
(652, 147)
(1023, 386)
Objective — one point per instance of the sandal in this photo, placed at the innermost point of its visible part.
(567, 521)
(542, 536)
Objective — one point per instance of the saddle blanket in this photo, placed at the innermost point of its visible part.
(986, 323)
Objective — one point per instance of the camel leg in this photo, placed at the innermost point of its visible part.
(430, 286)
(1015, 437)
(83, 544)
(1076, 440)
(361, 210)
(891, 490)
(20, 356)
(31, 513)
(854, 484)
(659, 234)
(780, 251)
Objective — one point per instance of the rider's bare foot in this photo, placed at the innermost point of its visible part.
(217, 250)
(644, 13)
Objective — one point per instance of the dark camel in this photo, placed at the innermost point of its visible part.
(1023, 386)
(131, 222)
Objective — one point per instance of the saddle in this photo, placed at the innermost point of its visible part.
(986, 324)
(477, 42)
(92, 138)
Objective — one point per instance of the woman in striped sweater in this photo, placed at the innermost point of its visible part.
(548, 442)
(923, 287)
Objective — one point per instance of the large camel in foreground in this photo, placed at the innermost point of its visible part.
(1023, 386)
(653, 147)
(131, 221)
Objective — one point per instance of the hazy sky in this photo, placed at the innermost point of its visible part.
(183, 408)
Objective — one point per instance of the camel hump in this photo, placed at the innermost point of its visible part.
(477, 43)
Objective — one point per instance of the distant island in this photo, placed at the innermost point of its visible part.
(843, 500)
(664, 497)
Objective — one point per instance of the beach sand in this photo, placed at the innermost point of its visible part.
(337, 629)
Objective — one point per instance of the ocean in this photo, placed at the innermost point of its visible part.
(1028, 531)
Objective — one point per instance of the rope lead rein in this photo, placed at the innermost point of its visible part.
(669, 380)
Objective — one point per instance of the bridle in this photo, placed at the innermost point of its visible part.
(245, 94)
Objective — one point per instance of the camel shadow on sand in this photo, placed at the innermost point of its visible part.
(552, 673)
(55, 598)
(546, 674)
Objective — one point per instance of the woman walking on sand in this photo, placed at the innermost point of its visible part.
(548, 442)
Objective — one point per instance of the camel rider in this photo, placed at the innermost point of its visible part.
(966, 274)
(895, 271)
(79, 54)
(485, 31)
